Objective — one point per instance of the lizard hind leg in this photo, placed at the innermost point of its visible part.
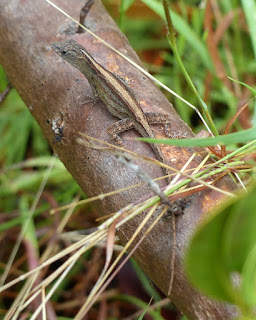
(119, 127)
(160, 118)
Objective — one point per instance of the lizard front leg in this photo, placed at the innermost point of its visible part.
(118, 127)
(127, 124)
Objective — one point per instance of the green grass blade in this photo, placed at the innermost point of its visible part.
(253, 91)
(231, 138)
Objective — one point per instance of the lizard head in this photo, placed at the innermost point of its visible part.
(70, 51)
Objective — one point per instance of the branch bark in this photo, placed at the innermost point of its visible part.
(56, 93)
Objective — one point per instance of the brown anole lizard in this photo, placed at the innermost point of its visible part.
(118, 98)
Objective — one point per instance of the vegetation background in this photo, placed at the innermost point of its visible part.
(212, 45)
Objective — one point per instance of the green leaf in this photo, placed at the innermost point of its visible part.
(203, 261)
(224, 244)
(241, 221)
(249, 278)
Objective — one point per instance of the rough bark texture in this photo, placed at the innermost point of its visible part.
(55, 92)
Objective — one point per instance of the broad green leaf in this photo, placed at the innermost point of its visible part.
(203, 261)
(239, 233)
(249, 278)
(224, 244)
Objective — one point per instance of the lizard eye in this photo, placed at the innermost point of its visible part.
(63, 52)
